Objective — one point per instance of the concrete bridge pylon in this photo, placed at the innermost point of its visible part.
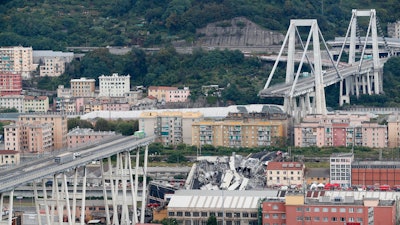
(310, 102)
(363, 82)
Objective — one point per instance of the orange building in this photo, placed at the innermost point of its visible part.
(376, 173)
(295, 209)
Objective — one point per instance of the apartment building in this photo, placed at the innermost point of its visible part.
(52, 67)
(340, 168)
(17, 59)
(36, 137)
(172, 127)
(59, 126)
(84, 136)
(39, 56)
(114, 85)
(9, 158)
(10, 83)
(339, 130)
(36, 104)
(393, 29)
(116, 106)
(350, 210)
(169, 94)
(83, 87)
(13, 101)
(12, 137)
(285, 173)
(242, 130)
(393, 124)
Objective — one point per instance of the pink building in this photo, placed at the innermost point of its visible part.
(83, 136)
(169, 94)
(10, 83)
(29, 137)
(339, 130)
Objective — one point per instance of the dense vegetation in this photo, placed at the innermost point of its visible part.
(124, 127)
(55, 24)
(51, 24)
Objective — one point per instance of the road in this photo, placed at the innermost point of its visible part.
(45, 167)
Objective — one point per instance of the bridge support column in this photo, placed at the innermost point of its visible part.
(344, 92)
(123, 205)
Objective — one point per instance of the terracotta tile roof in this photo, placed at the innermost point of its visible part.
(162, 88)
(8, 152)
(285, 166)
(28, 97)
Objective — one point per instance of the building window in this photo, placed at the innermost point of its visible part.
(196, 214)
(324, 209)
(187, 213)
(253, 215)
(275, 216)
(325, 219)
(204, 214)
(359, 219)
(299, 218)
(245, 214)
(316, 209)
(334, 219)
(220, 214)
(359, 210)
(179, 214)
(228, 214)
(351, 210)
(342, 210)
(343, 219)
(298, 209)
(266, 216)
(171, 213)
(316, 218)
(307, 218)
(275, 207)
(333, 210)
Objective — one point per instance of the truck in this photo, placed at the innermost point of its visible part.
(139, 134)
(64, 158)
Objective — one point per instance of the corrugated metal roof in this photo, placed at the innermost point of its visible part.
(218, 199)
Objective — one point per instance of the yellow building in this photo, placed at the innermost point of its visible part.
(58, 124)
(9, 157)
(172, 127)
(285, 173)
(83, 87)
(36, 103)
(241, 130)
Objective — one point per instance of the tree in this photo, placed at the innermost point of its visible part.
(102, 125)
(212, 220)
(169, 221)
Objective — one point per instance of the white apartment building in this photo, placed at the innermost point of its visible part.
(393, 29)
(340, 168)
(52, 67)
(114, 85)
(13, 101)
(17, 59)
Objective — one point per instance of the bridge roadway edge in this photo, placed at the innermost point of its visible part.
(109, 149)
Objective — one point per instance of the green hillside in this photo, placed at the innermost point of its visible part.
(55, 24)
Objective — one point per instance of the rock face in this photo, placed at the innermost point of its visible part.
(238, 32)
